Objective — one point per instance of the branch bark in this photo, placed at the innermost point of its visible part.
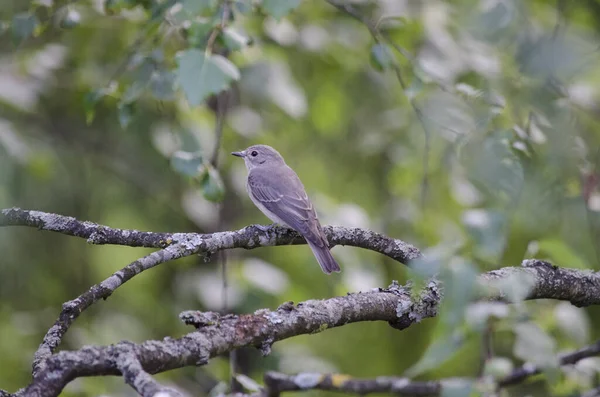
(526, 371)
(174, 246)
(218, 334)
(249, 237)
(72, 309)
(277, 383)
(135, 376)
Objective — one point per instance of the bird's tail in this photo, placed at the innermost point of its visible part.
(324, 257)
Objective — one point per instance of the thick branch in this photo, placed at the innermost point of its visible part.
(248, 238)
(175, 245)
(545, 281)
(217, 335)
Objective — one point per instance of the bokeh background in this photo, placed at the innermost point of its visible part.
(486, 153)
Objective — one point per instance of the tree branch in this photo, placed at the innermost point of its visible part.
(277, 383)
(249, 237)
(544, 281)
(137, 378)
(93, 232)
(175, 245)
(520, 374)
(72, 309)
(217, 334)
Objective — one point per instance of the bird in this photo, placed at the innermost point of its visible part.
(278, 192)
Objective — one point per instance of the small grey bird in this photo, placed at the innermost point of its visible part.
(278, 192)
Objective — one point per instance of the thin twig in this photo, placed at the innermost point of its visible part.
(222, 104)
(135, 376)
(218, 29)
(277, 383)
(527, 370)
(378, 37)
(72, 309)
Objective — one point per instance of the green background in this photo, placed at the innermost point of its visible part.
(488, 155)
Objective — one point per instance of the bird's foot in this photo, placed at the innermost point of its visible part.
(263, 228)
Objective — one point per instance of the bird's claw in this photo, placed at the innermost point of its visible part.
(263, 228)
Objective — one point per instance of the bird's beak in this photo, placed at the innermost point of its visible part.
(239, 154)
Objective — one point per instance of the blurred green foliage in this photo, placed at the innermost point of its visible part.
(489, 155)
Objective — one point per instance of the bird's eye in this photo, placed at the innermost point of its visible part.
(254, 153)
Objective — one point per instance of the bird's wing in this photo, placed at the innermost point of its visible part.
(288, 200)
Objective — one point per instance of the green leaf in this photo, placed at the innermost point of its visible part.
(43, 3)
(279, 8)
(234, 40)
(498, 367)
(478, 313)
(515, 287)
(456, 388)
(248, 383)
(134, 91)
(126, 111)
(382, 57)
(573, 322)
(559, 252)
(70, 18)
(162, 85)
(201, 75)
(437, 353)
(213, 188)
(4, 27)
(459, 281)
(113, 7)
(219, 390)
(187, 163)
(23, 26)
(89, 104)
(198, 33)
(535, 346)
(415, 88)
(197, 7)
(244, 7)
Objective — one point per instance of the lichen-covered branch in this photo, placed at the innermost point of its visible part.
(93, 232)
(544, 281)
(249, 237)
(277, 383)
(174, 246)
(217, 334)
(135, 376)
(72, 309)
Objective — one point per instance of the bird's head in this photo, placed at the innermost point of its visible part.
(260, 155)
